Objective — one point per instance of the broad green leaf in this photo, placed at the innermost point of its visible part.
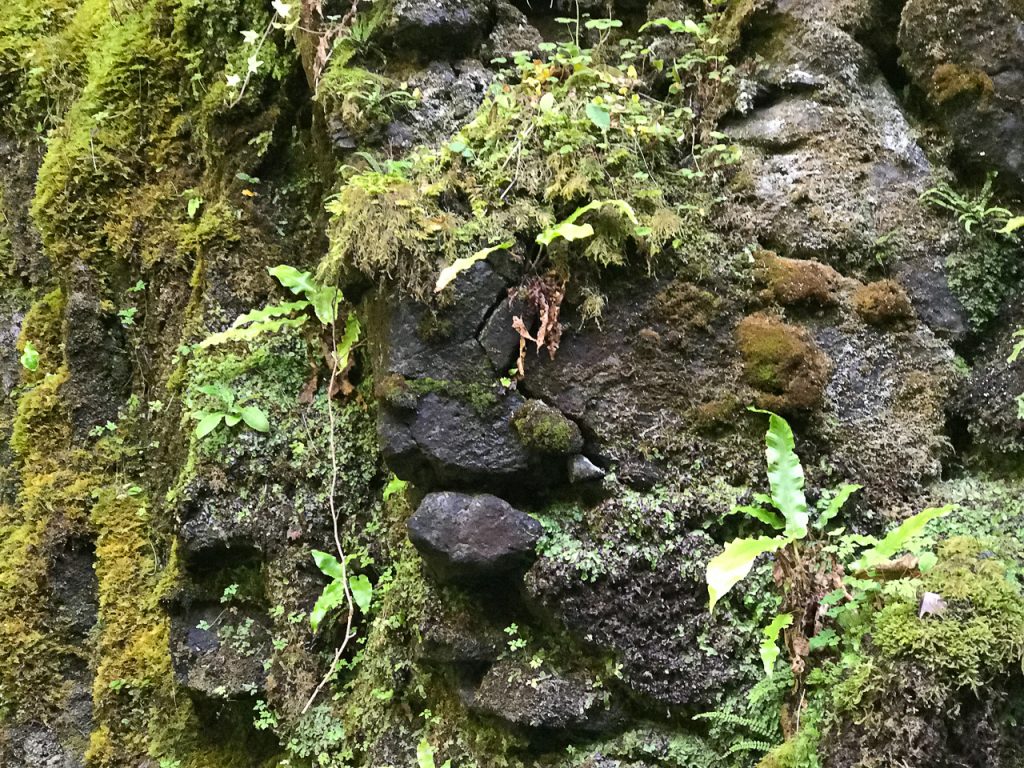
(294, 280)
(727, 569)
(344, 350)
(395, 485)
(328, 564)
(785, 475)
(325, 301)
(362, 591)
(567, 229)
(599, 116)
(897, 539)
(760, 513)
(1018, 348)
(255, 418)
(30, 357)
(770, 641)
(250, 332)
(1012, 225)
(332, 596)
(425, 755)
(835, 504)
(231, 419)
(459, 266)
(207, 423)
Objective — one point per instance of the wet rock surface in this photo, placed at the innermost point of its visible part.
(543, 702)
(471, 539)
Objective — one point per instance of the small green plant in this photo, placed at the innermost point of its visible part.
(340, 590)
(30, 357)
(806, 568)
(785, 509)
(322, 299)
(425, 756)
(976, 210)
(227, 411)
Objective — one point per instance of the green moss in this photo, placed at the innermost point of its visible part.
(982, 272)
(481, 396)
(884, 304)
(782, 362)
(363, 102)
(517, 169)
(543, 428)
(979, 636)
(43, 326)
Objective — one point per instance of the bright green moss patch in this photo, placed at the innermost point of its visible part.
(980, 635)
(543, 428)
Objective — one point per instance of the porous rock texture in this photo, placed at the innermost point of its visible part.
(523, 476)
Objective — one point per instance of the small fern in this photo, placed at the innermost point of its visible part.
(750, 746)
(757, 727)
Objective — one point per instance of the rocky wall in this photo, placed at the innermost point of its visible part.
(527, 469)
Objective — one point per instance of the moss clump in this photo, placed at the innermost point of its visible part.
(520, 167)
(545, 429)
(783, 363)
(43, 328)
(798, 282)
(401, 393)
(980, 635)
(360, 102)
(687, 305)
(884, 304)
(982, 273)
(950, 81)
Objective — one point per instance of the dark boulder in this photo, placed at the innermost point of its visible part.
(968, 60)
(438, 26)
(466, 538)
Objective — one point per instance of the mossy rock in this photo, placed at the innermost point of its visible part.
(783, 363)
(544, 429)
(884, 304)
(803, 282)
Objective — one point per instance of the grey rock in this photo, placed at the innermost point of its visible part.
(582, 469)
(543, 700)
(664, 661)
(450, 442)
(442, 344)
(466, 538)
(968, 58)
(225, 660)
(438, 26)
(449, 94)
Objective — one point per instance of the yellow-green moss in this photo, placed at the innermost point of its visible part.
(950, 80)
(542, 428)
(883, 303)
(782, 362)
(980, 635)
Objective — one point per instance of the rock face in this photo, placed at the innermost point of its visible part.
(472, 539)
(968, 60)
(526, 530)
(543, 702)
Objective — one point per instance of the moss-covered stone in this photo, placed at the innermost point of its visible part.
(545, 429)
(796, 282)
(782, 363)
(884, 304)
